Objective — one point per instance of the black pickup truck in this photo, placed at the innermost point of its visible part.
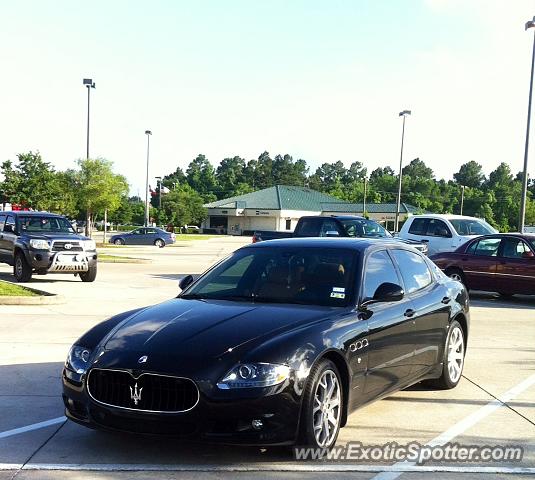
(43, 243)
(336, 226)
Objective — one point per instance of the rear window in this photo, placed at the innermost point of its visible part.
(472, 227)
(487, 247)
(309, 227)
(419, 226)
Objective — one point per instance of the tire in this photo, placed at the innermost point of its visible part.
(315, 430)
(453, 355)
(21, 269)
(118, 241)
(90, 275)
(456, 274)
(159, 243)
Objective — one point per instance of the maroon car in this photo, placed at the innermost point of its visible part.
(503, 263)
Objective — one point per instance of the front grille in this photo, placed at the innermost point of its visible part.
(59, 246)
(147, 393)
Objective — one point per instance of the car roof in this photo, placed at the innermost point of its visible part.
(348, 217)
(358, 244)
(32, 213)
(446, 216)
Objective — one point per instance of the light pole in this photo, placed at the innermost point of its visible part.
(403, 114)
(462, 197)
(522, 219)
(88, 82)
(364, 197)
(148, 133)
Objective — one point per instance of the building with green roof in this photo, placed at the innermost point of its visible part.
(280, 207)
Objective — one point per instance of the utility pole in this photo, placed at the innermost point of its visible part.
(88, 82)
(148, 133)
(403, 114)
(364, 197)
(462, 197)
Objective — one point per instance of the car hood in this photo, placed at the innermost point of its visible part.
(207, 328)
(56, 236)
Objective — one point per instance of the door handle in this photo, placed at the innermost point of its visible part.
(446, 300)
(409, 313)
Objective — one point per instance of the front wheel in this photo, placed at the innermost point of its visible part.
(454, 351)
(322, 407)
(90, 275)
(159, 243)
(22, 269)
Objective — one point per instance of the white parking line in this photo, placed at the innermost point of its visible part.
(33, 426)
(464, 425)
(270, 467)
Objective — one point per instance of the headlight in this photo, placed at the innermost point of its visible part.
(39, 244)
(78, 359)
(89, 245)
(248, 375)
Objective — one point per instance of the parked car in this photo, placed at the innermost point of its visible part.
(444, 233)
(276, 344)
(336, 226)
(503, 263)
(144, 236)
(41, 242)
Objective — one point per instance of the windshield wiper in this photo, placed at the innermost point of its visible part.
(247, 298)
(192, 296)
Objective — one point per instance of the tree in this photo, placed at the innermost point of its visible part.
(418, 169)
(184, 206)
(229, 174)
(201, 177)
(470, 175)
(98, 188)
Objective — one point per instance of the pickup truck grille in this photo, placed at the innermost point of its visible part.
(147, 393)
(59, 246)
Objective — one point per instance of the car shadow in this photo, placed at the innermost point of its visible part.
(9, 277)
(494, 300)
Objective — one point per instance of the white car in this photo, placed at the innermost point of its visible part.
(444, 233)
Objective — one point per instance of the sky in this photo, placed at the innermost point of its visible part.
(320, 80)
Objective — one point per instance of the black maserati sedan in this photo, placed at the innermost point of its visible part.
(275, 345)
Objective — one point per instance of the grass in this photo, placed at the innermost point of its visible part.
(10, 290)
(105, 258)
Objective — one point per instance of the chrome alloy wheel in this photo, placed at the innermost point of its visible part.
(456, 276)
(18, 267)
(326, 409)
(455, 354)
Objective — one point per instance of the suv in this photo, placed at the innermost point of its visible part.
(444, 233)
(44, 243)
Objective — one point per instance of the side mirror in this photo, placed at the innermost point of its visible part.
(185, 282)
(528, 254)
(332, 233)
(9, 229)
(388, 292)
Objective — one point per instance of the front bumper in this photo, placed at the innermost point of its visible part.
(61, 262)
(228, 421)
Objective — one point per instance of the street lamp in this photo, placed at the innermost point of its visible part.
(522, 219)
(88, 82)
(403, 114)
(148, 133)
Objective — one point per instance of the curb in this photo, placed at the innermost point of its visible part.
(43, 298)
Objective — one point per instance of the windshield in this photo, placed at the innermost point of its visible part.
(364, 228)
(309, 276)
(43, 224)
(472, 227)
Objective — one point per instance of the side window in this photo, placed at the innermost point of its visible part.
(309, 227)
(2, 221)
(379, 269)
(11, 221)
(438, 228)
(514, 247)
(471, 248)
(150, 230)
(488, 247)
(329, 227)
(414, 270)
(139, 231)
(419, 226)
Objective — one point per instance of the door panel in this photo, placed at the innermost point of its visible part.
(480, 267)
(515, 274)
(3, 245)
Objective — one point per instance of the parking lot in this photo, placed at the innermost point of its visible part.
(493, 405)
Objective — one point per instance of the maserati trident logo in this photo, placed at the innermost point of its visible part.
(143, 359)
(68, 246)
(135, 394)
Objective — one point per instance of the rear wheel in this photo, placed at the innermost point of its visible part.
(90, 275)
(159, 243)
(453, 359)
(119, 241)
(21, 269)
(456, 274)
(322, 407)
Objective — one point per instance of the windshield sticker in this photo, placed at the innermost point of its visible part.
(338, 295)
(339, 289)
